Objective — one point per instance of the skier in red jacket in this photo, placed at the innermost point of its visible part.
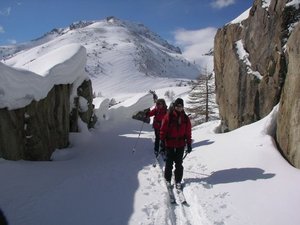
(176, 132)
(159, 111)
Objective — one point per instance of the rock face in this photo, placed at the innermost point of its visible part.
(288, 120)
(83, 107)
(254, 61)
(248, 86)
(35, 131)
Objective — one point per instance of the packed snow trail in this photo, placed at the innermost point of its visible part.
(97, 180)
(179, 213)
(92, 183)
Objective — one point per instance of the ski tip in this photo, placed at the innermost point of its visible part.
(185, 203)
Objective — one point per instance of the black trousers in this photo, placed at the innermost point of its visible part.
(157, 139)
(174, 155)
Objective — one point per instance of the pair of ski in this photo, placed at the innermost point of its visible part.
(179, 192)
(170, 187)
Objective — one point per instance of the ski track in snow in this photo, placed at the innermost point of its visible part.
(98, 180)
(103, 166)
(159, 211)
(180, 214)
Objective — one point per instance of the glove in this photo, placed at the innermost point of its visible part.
(162, 146)
(147, 111)
(146, 118)
(189, 148)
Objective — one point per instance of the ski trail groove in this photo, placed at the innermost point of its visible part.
(179, 214)
(171, 207)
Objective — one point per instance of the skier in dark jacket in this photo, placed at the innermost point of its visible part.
(176, 133)
(159, 111)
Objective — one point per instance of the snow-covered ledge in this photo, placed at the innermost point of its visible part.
(18, 87)
(244, 57)
(39, 106)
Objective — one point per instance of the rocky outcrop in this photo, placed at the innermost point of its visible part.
(249, 85)
(227, 70)
(35, 131)
(288, 120)
(256, 63)
(83, 107)
(38, 108)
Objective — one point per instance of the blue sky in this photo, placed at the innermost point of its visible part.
(188, 24)
(24, 20)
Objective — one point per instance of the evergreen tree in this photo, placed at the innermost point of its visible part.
(201, 100)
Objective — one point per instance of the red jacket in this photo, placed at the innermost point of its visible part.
(158, 114)
(176, 129)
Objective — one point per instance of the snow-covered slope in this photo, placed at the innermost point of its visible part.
(234, 178)
(119, 53)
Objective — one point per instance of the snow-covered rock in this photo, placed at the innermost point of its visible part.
(35, 108)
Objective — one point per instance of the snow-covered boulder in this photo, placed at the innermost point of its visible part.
(35, 108)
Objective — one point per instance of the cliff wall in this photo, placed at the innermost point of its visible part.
(256, 63)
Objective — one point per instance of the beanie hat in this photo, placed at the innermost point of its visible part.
(178, 101)
(160, 101)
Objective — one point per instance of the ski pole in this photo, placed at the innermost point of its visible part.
(133, 150)
(185, 155)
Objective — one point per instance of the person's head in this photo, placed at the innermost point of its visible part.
(178, 104)
(160, 103)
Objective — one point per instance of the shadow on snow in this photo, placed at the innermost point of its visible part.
(202, 143)
(231, 176)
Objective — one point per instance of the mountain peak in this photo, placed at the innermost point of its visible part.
(117, 51)
(80, 24)
(111, 19)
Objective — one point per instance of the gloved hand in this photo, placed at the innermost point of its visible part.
(162, 146)
(189, 148)
(147, 111)
(146, 118)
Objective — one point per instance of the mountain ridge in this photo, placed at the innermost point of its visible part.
(116, 49)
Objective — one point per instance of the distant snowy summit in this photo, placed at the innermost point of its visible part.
(113, 47)
(118, 53)
(135, 28)
(141, 30)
